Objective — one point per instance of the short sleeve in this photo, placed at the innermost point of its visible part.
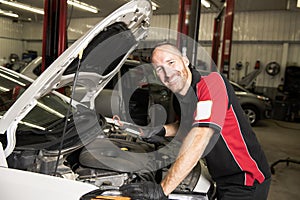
(212, 102)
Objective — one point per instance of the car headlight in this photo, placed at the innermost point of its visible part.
(263, 98)
(266, 100)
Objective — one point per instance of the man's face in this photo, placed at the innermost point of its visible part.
(172, 69)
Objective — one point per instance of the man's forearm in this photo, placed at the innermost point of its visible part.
(190, 153)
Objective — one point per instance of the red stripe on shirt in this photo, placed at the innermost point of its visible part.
(238, 148)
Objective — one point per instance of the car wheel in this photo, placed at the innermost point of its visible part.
(251, 113)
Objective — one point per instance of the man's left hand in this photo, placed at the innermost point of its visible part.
(143, 191)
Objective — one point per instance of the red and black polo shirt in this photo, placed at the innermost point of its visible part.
(236, 156)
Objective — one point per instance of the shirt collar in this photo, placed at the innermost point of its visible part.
(195, 78)
(192, 90)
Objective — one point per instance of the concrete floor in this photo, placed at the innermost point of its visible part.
(281, 140)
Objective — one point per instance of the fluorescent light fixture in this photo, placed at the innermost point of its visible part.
(298, 3)
(23, 6)
(83, 6)
(205, 3)
(154, 5)
(7, 13)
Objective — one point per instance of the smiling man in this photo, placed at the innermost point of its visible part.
(172, 69)
(215, 128)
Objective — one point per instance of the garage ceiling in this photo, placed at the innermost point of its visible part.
(166, 7)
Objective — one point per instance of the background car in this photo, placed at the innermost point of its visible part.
(256, 107)
(34, 68)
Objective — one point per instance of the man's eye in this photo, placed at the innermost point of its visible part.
(171, 62)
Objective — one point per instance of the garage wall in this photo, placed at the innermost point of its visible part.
(32, 35)
(10, 39)
(266, 36)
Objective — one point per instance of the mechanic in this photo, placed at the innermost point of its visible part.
(219, 132)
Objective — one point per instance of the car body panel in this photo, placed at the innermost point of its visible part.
(30, 186)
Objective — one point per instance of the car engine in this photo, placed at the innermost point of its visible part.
(104, 161)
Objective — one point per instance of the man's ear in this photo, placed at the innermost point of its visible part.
(186, 61)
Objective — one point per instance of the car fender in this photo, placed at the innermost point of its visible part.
(18, 184)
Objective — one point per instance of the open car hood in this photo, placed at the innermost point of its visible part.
(96, 57)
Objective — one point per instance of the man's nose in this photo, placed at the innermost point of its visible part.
(168, 71)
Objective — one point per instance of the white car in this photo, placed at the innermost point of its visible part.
(53, 147)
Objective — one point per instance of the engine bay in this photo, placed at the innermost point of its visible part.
(106, 162)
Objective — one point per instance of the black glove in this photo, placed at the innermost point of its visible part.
(143, 191)
(157, 138)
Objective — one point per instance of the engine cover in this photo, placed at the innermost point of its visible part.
(116, 155)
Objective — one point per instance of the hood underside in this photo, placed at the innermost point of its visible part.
(96, 57)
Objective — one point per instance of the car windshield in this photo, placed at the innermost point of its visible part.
(49, 109)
